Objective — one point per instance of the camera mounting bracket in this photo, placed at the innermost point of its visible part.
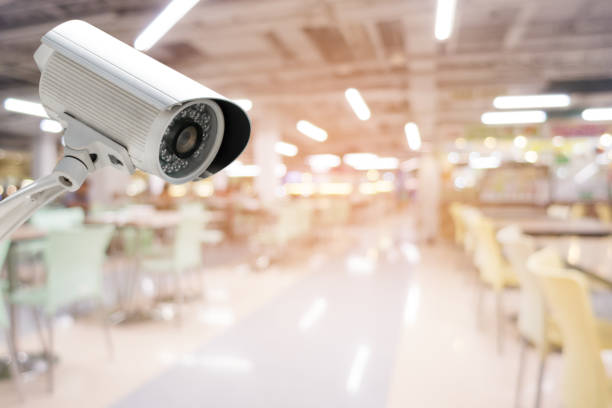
(85, 151)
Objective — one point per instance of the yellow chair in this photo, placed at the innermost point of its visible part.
(534, 324)
(604, 212)
(558, 211)
(459, 226)
(577, 211)
(470, 217)
(494, 270)
(585, 383)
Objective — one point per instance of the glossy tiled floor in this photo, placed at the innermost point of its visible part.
(370, 320)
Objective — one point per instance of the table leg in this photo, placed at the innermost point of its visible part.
(12, 286)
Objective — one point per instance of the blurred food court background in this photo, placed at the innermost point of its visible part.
(422, 216)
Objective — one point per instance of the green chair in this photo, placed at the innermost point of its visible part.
(5, 326)
(185, 255)
(74, 259)
(53, 219)
(47, 219)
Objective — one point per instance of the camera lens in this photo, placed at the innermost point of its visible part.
(187, 141)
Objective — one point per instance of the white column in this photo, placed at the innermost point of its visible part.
(267, 182)
(44, 155)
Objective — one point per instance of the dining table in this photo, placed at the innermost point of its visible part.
(128, 285)
(555, 227)
(587, 254)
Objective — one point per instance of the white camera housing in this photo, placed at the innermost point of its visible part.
(170, 125)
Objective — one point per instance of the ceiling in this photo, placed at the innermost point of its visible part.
(295, 58)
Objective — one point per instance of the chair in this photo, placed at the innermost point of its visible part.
(578, 211)
(604, 212)
(534, 324)
(459, 226)
(74, 259)
(585, 383)
(558, 211)
(5, 326)
(494, 271)
(52, 219)
(184, 255)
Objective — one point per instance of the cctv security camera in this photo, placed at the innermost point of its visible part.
(122, 108)
(170, 125)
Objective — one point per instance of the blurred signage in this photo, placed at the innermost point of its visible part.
(578, 129)
(500, 132)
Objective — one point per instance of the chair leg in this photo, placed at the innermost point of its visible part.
(39, 331)
(521, 369)
(541, 370)
(500, 320)
(180, 297)
(106, 328)
(480, 288)
(14, 366)
(50, 356)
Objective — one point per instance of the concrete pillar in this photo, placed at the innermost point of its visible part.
(266, 182)
(44, 155)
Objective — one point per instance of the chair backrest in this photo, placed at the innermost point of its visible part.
(533, 316)
(74, 260)
(470, 218)
(52, 219)
(488, 256)
(188, 243)
(578, 210)
(4, 320)
(558, 211)
(585, 383)
(459, 227)
(604, 212)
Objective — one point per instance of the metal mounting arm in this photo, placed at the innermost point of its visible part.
(86, 150)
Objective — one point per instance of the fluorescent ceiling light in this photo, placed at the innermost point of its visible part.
(25, 107)
(532, 101)
(597, 114)
(445, 16)
(357, 104)
(354, 159)
(413, 136)
(286, 149)
(323, 162)
(245, 104)
(163, 23)
(312, 131)
(370, 161)
(490, 162)
(237, 169)
(387, 163)
(51, 126)
(513, 118)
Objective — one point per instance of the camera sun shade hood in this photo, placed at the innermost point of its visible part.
(147, 79)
